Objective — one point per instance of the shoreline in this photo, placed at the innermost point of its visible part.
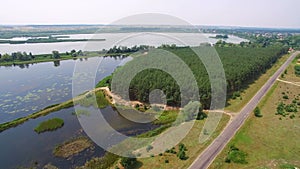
(35, 61)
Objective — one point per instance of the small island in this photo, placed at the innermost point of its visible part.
(49, 125)
(220, 37)
(72, 147)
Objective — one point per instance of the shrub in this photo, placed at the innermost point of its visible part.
(148, 148)
(127, 162)
(236, 94)
(181, 155)
(182, 147)
(257, 112)
(235, 155)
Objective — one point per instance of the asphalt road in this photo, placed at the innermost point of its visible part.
(210, 153)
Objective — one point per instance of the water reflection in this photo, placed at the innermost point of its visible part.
(56, 63)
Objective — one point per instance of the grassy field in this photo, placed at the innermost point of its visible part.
(49, 125)
(290, 75)
(235, 105)
(191, 142)
(271, 141)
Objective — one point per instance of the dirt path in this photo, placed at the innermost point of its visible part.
(292, 83)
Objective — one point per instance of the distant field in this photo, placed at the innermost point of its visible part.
(273, 140)
(235, 105)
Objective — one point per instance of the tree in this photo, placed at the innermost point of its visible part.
(297, 70)
(14, 56)
(25, 56)
(73, 53)
(55, 54)
(19, 56)
(201, 115)
(127, 162)
(181, 155)
(80, 53)
(6, 57)
(31, 56)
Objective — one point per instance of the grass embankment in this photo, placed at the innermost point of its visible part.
(84, 100)
(101, 162)
(49, 125)
(235, 105)
(194, 148)
(72, 147)
(271, 141)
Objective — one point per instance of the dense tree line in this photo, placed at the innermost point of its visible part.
(241, 65)
(23, 56)
(124, 49)
(297, 70)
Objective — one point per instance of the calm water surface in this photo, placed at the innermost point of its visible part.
(124, 39)
(26, 90)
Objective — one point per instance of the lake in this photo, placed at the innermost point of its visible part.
(124, 39)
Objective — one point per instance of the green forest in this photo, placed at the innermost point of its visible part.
(242, 66)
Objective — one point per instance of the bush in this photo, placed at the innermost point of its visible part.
(291, 108)
(285, 97)
(236, 94)
(148, 148)
(166, 161)
(201, 115)
(236, 156)
(127, 162)
(182, 147)
(257, 112)
(181, 155)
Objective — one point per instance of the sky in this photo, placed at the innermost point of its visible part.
(247, 13)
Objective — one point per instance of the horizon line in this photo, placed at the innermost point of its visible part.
(94, 24)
